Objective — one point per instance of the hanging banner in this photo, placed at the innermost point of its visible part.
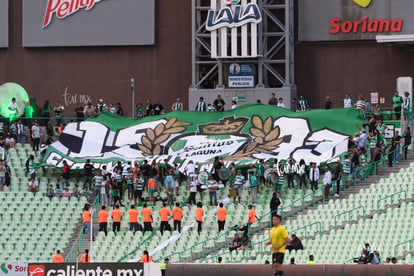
(251, 132)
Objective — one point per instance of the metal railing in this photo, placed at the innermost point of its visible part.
(410, 244)
(318, 223)
(391, 197)
(349, 214)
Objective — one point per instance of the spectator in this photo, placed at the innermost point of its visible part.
(7, 175)
(85, 258)
(221, 217)
(58, 110)
(199, 217)
(129, 179)
(112, 109)
(302, 174)
(21, 133)
(233, 105)
(303, 104)
(158, 108)
(58, 191)
(50, 192)
(407, 141)
(290, 174)
(139, 111)
(391, 147)
(337, 177)
(146, 258)
(201, 105)
(176, 177)
(239, 185)
(98, 181)
(169, 187)
(10, 142)
(245, 242)
(311, 260)
(294, 105)
(138, 189)
(294, 244)
(86, 219)
(192, 189)
(65, 178)
(314, 177)
(58, 258)
(66, 193)
(145, 169)
(79, 113)
(212, 188)
(348, 102)
(253, 186)
(151, 190)
(164, 217)
(397, 101)
(360, 104)
(219, 104)
(177, 214)
(149, 108)
(76, 192)
(281, 103)
(210, 108)
(147, 218)
(33, 186)
(119, 109)
(327, 182)
(274, 204)
(397, 139)
(133, 219)
(328, 102)
(407, 105)
(236, 243)
(393, 261)
(292, 261)
(103, 220)
(272, 100)
(87, 171)
(13, 110)
(36, 136)
(177, 105)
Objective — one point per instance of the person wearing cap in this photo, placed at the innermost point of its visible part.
(239, 181)
(177, 106)
(327, 182)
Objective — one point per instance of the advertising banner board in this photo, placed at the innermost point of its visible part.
(88, 22)
(13, 269)
(90, 269)
(4, 23)
(339, 20)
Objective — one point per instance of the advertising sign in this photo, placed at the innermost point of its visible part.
(374, 97)
(13, 269)
(252, 132)
(4, 23)
(337, 20)
(241, 75)
(240, 20)
(96, 269)
(88, 22)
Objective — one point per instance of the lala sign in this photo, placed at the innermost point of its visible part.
(227, 18)
(65, 8)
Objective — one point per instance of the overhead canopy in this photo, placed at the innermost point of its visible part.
(250, 132)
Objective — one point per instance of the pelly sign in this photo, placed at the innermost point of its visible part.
(227, 18)
(65, 8)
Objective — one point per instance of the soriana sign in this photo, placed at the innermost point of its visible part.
(336, 20)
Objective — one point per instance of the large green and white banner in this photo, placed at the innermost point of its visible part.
(250, 132)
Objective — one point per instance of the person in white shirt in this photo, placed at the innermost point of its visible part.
(33, 185)
(314, 176)
(281, 103)
(193, 188)
(348, 102)
(327, 182)
(233, 105)
(13, 110)
(189, 169)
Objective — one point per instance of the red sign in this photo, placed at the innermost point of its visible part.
(36, 270)
(365, 25)
(65, 8)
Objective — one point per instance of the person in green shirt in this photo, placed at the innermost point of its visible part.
(163, 266)
(253, 186)
(396, 105)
